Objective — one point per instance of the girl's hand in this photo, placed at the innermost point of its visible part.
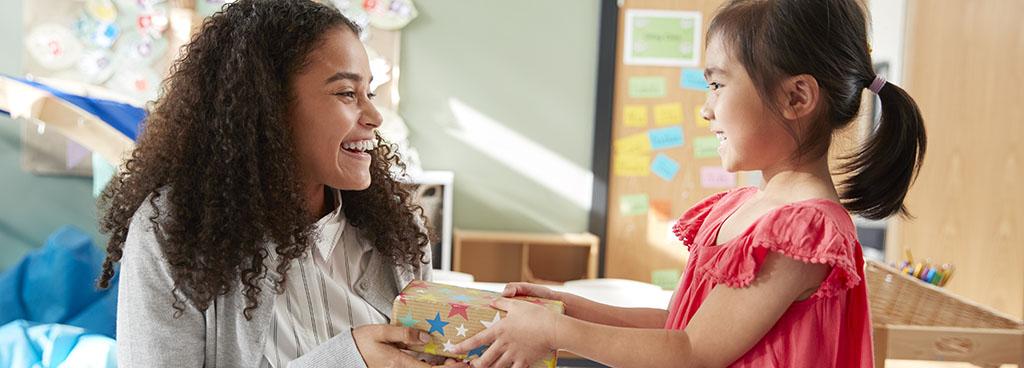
(527, 289)
(525, 335)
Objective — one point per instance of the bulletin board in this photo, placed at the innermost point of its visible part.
(662, 157)
(659, 155)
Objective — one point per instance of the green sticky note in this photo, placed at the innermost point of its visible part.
(705, 147)
(633, 204)
(667, 278)
(647, 87)
(659, 37)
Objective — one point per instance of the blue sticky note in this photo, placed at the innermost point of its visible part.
(664, 167)
(666, 137)
(693, 78)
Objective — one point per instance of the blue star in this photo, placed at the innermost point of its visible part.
(407, 320)
(437, 324)
(479, 351)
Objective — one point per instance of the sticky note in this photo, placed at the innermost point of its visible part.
(699, 118)
(716, 177)
(664, 167)
(666, 137)
(693, 79)
(631, 165)
(704, 147)
(635, 116)
(667, 279)
(661, 208)
(633, 144)
(668, 114)
(633, 204)
(647, 87)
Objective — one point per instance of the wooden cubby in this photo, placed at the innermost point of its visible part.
(539, 258)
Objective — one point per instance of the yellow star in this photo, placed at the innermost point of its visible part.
(430, 348)
(550, 362)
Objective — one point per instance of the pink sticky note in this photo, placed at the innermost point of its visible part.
(716, 177)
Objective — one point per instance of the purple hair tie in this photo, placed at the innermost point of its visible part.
(877, 84)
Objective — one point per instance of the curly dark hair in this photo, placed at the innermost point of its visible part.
(219, 141)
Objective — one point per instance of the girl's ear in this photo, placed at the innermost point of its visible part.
(799, 94)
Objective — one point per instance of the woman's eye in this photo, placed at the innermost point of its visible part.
(371, 95)
(714, 85)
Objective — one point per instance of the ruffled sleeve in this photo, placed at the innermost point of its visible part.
(688, 224)
(807, 233)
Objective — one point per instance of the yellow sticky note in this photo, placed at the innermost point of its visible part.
(668, 114)
(631, 165)
(635, 116)
(699, 118)
(634, 144)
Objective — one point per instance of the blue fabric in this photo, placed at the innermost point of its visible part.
(126, 118)
(56, 284)
(30, 345)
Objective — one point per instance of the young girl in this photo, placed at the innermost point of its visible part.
(775, 276)
(257, 223)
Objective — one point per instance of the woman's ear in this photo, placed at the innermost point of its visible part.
(800, 94)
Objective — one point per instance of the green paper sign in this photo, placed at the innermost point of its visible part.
(647, 87)
(633, 204)
(663, 38)
(704, 147)
(667, 278)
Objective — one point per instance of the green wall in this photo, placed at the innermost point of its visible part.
(523, 70)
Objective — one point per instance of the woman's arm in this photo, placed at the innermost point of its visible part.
(727, 325)
(148, 334)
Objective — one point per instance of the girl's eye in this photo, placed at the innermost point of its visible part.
(714, 85)
(346, 94)
(371, 95)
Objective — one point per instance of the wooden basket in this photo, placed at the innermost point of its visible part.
(919, 321)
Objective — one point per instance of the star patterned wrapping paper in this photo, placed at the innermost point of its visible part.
(451, 314)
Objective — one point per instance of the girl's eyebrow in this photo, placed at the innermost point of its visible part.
(345, 75)
(710, 71)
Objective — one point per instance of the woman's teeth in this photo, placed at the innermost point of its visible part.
(359, 146)
(720, 136)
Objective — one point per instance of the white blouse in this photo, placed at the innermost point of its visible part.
(319, 300)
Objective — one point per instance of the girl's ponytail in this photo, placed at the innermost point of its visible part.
(883, 169)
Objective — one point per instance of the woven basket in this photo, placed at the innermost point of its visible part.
(919, 321)
(900, 299)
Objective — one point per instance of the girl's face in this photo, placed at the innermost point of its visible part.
(751, 135)
(332, 117)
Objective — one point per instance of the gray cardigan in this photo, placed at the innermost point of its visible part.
(148, 334)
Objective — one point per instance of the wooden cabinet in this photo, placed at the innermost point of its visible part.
(538, 258)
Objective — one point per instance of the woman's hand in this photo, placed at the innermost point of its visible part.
(380, 346)
(527, 289)
(525, 335)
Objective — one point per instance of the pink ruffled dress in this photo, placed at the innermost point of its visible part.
(832, 328)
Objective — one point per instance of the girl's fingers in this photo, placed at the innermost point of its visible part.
(490, 356)
(485, 337)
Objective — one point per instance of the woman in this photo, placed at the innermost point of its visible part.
(257, 223)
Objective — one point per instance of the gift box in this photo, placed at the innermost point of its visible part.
(451, 314)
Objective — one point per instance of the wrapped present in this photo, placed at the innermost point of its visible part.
(451, 314)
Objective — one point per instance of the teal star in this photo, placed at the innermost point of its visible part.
(407, 320)
(461, 298)
(437, 324)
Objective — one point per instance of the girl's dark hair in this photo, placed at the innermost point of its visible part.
(827, 39)
(219, 141)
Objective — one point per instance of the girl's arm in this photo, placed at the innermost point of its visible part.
(727, 325)
(584, 309)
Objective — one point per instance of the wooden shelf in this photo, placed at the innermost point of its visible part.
(540, 258)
